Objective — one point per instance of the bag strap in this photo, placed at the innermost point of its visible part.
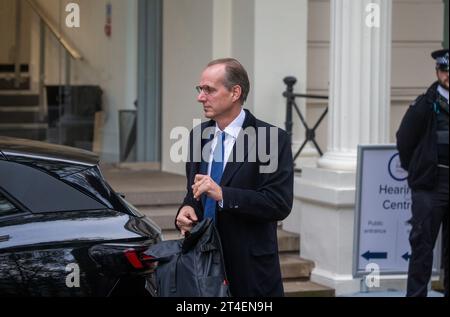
(173, 275)
(219, 242)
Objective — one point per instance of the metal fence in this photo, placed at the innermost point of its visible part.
(291, 105)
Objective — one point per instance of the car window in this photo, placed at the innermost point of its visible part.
(59, 168)
(6, 207)
(41, 192)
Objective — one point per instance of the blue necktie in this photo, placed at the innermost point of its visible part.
(216, 174)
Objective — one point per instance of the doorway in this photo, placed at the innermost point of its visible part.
(149, 81)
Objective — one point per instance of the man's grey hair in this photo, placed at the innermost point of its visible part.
(235, 75)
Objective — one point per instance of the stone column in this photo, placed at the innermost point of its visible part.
(359, 114)
(360, 71)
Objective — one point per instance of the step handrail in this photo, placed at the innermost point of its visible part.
(53, 28)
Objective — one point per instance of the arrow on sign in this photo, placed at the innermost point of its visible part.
(406, 256)
(374, 255)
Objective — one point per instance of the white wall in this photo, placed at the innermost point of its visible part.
(318, 64)
(110, 63)
(243, 41)
(417, 30)
(8, 32)
(280, 50)
(222, 28)
(187, 38)
(412, 65)
(267, 37)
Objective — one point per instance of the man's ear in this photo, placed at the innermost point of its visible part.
(237, 93)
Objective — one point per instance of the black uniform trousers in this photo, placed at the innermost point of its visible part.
(429, 211)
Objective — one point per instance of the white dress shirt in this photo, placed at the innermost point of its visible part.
(231, 133)
(443, 92)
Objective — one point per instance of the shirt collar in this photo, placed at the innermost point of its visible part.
(443, 92)
(234, 127)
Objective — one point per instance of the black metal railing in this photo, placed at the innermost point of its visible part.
(310, 133)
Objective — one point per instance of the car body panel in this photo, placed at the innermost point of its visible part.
(10, 147)
(72, 227)
(52, 272)
(61, 208)
(42, 251)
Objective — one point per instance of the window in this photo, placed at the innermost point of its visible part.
(6, 208)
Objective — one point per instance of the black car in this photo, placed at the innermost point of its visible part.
(63, 229)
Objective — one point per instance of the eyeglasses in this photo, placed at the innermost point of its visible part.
(207, 90)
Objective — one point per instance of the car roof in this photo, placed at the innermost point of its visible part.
(12, 148)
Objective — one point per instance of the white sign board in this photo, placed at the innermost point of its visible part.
(383, 209)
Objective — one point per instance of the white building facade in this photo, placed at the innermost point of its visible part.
(371, 57)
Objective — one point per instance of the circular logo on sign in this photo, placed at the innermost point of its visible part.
(395, 169)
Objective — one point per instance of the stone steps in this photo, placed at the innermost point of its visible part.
(19, 114)
(285, 240)
(306, 289)
(33, 131)
(288, 242)
(158, 198)
(10, 68)
(146, 188)
(295, 270)
(294, 267)
(8, 82)
(438, 285)
(16, 114)
(163, 216)
(18, 98)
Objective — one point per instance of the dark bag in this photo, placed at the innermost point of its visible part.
(191, 267)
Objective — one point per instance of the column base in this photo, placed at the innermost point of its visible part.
(347, 285)
(308, 157)
(342, 284)
(340, 161)
(326, 218)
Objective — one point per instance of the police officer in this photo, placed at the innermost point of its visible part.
(422, 141)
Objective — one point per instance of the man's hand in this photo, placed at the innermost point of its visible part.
(186, 219)
(204, 184)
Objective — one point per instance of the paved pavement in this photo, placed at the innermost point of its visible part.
(128, 179)
(393, 293)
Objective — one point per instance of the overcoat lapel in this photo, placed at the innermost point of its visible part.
(235, 162)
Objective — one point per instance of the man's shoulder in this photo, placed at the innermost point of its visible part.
(429, 97)
(420, 100)
(265, 125)
(426, 100)
(262, 124)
